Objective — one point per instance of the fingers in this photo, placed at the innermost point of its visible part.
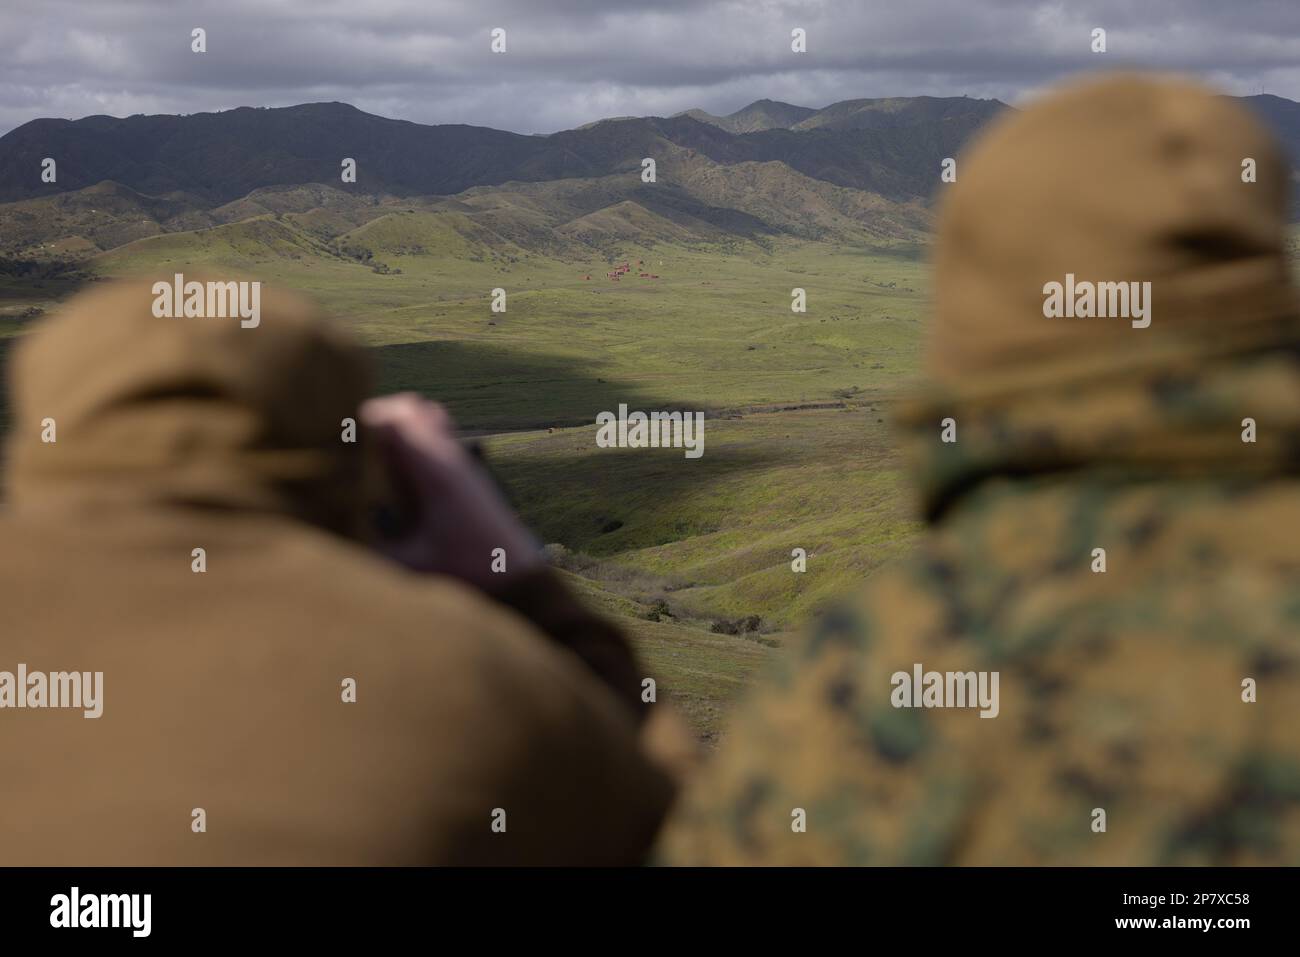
(463, 516)
(418, 425)
(407, 410)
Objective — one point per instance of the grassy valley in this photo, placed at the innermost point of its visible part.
(797, 450)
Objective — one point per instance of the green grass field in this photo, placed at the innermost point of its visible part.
(798, 452)
(797, 448)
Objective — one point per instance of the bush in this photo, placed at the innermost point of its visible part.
(659, 610)
(736, 626)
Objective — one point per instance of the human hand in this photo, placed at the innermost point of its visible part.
(460, 515)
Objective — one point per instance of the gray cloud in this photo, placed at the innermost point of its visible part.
(573, 61)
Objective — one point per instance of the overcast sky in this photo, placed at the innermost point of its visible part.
(569, 62)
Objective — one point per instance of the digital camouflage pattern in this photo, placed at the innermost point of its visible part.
(1123, 690)
(1120, 690)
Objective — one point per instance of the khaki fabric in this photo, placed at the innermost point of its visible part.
(222, 690)
(1129, 179)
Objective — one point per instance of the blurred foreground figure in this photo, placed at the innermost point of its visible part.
(286, 695)
(1110, 578)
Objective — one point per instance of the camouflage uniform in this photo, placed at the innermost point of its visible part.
(1121, 690)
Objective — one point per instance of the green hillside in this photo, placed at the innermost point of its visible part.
(694, 556)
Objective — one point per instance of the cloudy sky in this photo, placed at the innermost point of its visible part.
(569, 62)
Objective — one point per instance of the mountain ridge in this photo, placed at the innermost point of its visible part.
(860, 169)
(224, 155)
(883, 145)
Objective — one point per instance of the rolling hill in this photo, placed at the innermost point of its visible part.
(759, 115)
